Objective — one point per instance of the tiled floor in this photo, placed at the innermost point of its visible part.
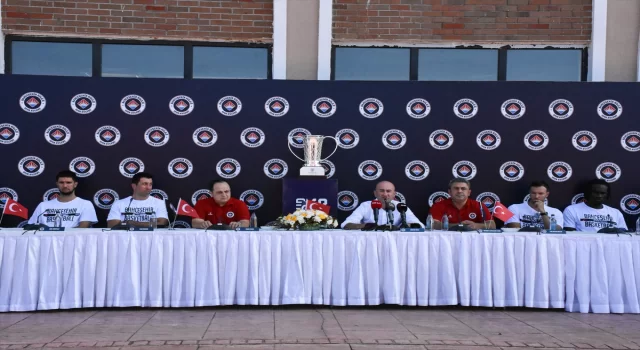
(318, 328)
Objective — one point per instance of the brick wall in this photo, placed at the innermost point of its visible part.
(464, 20)
(233, 20)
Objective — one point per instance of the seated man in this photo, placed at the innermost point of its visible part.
(592, 214)
(460, 209)
(136, 209)
(534, 213)
(74, 211)
(221, 208)
(384, 191)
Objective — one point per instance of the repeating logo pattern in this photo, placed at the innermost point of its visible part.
(229, 106)
(417, 170)
(252, 198)
(105, 198)
(630, 204)
(50, 194)
(131, 166)
(199, 195)
(133, 104)
(5, 194)
(536, 140)
(156, 136)
(418, 108)
(441, 139)
(370, 170)
(181, 105)
(107, 135)
(181, 224)
(578, 198)
(371, 108)
(276, 106)
(296, 137)
(329, 168)
(180, 168)
(394, 139)
(512, 171)
(276, 168)
(205, 136)
(31, 166)
(561, 109)
(347, 138)
(489, 199)
(32, 102)
(324, 107)
(252, 137)
(347, 200)
(465, 108)
(464, 169)
(631, 141)
(436, 197)
(400, 197)
(9, 133)
(83, 103)
(82, 166)
(57, 134)
(488, 140)
(159, 194)
(513, 109)
(609, 109)
(559, 171)
(609, 172)
(228, 168)
(584, 140)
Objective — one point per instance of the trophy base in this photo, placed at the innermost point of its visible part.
(312, 171)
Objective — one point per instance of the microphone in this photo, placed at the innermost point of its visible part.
(390, 207)
(376, 205)
(484, 221)
(37, 226)
(402, 209)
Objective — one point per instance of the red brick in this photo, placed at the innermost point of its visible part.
(452, 26)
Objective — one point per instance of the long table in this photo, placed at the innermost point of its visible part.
(188, 268)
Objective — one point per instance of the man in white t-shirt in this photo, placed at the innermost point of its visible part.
(592, 214)
(68, 209)
(534, 213)
(136, 210)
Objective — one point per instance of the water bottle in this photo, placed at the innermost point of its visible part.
(553, 224)
(445, 223)
(57, 220)
(253, 221)
(153, 220)
(638, 226)
(429, 223)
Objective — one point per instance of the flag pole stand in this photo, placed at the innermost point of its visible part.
(175, 216)
(2, 216)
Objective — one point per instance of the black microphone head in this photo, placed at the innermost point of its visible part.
(390, 206)
(402, 207)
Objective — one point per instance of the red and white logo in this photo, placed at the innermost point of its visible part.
(436, 197)
(83, 103)
(370, 170)
(32, 102)
(609, 172)
(7, 193)
(630, 204)
(181, 105)
(131, 166)
(31, 166)
(252, 198)
(57, 134)
(228, 168)
(296, 137)
(489, 199)
(584, 140)
(180, 168)
(82, 166)
(488, 140)
(347, 200)
(631, 141)
(105, 198)
(441, 139)
(133, 104)
(513, 109)
(464, 169)
(205, 136)
(9, 133)
(200, 195)
(276, 168)
(107, 135)
(156, 136)
(229, 106)
(276, 106)
(465, 108)
(347, 138)
(512, 171)
(371, 108)
(417, 170)
(561, 109)
(324, 107)
(418, 108)
(394, 139)
(252, 137)
(609, 109)
(559, 171)
(536, 140)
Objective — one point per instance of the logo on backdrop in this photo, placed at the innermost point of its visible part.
(488, 140)
(252, 198)
(418, 108)
(181, 224)
(559, 171)
(181, 105)
(205, 136)
(417, 170)
(82, 166)
(180, 167)
(584, 140)
(324, 107)
(252, 137)
(400, 197)
(347, 138)
(105, 198)
(32, 102)
(83, 103)
(5, 194)
(512, 171)
(513, 109)
(578, 198)
(441, 139)
(489, 199)
(536, 140)
(527, 197)
(276, 106)
(394, 139)
(107, 135)
(631, 141)
(329, 168)
(464, 169)
(436, 197)
(630, 204)
(561, 109)
(229, 106)
(275, 168)
(296, 137)
(228, 168)
(159, 194)
(371, 107)
(200, 195)
(370, 170)
(57, 134)
(9, 133)
(31, 166)
(131, 166)
(133, 104)
(51, 194)
(609, 172)
(347, 200)
(156, 136)
(465, 108)
(609, 109)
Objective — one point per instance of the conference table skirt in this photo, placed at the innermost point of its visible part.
(186, 268)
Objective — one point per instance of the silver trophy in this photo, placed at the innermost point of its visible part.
(312, 145)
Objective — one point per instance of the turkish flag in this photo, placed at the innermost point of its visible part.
(501, 212)
(185, 209)
(313, 205)
(12, 207)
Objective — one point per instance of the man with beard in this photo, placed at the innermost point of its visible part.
(534, 213)
(136, 210)
(74, 211)
(593, 215)
(460, 209)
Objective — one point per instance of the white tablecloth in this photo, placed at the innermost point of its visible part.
(181, 268)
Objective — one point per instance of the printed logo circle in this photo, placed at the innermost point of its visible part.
(465, 108)
(156, 136)
(609, 172)
(370, 170)
(584, 140)
(512, 171)
(441, 139)
(578, 198)
(371, 108)
(83, 103)
(329, 168)
(181, 105)
(536, 140)
(105, 198)
(32, 102)
(252, 198)
(631, 141)
(107, 135)
(418, 108)
(9, 133)
(131, 166)
(347, 200)
(513, 109)
(180, 168)
(200, 195)
(82, 166)
(561, 109)
(394, 139)
(228, 168)
(630, 204)
(472, 216)
(527, 197)
(133, 104)
(400, 197)
(464, 169)
(252, 137)
(230, 214)
(229, 106)
(275, 168)
(276, 106)
(159, 194)
(296, 137)
(31, 166)
(417, 170)
(181, 224)
(489, 199)
(609, 109)
(50, 194)
(324, 107)
(488, 140)
(347, 138)
(559, 171)
(7, 193)
(205, 136)
(436, 197)
(57, 134)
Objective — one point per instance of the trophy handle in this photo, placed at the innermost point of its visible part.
(335, 149)
(289, 145)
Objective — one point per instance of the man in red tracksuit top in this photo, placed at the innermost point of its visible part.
(221, 209)
(460, 209)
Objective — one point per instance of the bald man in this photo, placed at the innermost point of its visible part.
(363, 215)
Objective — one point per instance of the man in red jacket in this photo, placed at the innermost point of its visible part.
(460, 209)
(221, 208)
